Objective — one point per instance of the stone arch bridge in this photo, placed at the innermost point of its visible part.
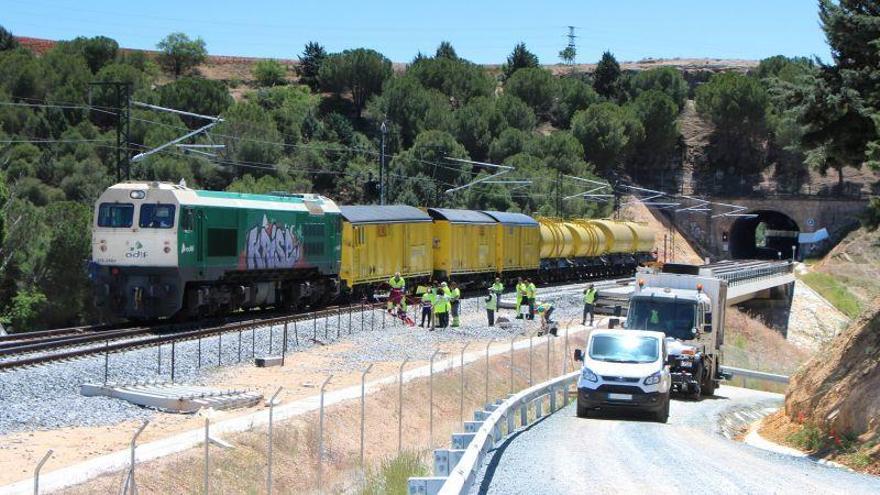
(774, 229)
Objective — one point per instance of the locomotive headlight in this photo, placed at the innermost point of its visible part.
(137, 194)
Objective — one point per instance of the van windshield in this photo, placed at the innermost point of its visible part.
(154, 216)
(675, 318)
(115, 215)
(624, 348)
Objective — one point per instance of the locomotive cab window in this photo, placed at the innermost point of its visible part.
(115, 215)
(157, 216)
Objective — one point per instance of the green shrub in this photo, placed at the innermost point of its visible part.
(392, 476)
(810, 438)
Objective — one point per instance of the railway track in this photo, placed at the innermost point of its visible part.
(36, 348)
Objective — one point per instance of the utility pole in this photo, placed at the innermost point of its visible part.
(382, 174)
(571, 49)
(122, 91)
(558, 191)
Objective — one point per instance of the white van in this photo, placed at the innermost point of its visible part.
(624, 369)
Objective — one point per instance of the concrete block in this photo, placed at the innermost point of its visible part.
(481, 415)
(445, 460)
(472, 426)
(425, 485)
(462, 440)
(267, 361)
(491, 407)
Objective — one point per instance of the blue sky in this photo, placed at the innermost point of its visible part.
(483, 32)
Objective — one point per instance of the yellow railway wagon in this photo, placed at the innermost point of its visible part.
(517, 242)
(464, 242)
(556, 241)
(380, 240)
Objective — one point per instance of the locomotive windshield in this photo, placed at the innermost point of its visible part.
(156, 216)
(675, 318)
(115, 215)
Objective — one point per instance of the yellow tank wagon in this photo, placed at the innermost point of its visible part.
(464, 244)
(380, 240)
(618, 236)
(517, 243)
(644, 236)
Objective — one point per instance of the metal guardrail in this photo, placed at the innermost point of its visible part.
(752, 274)
(760, 375)
(470, 448)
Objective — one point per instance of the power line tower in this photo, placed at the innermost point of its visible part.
(569, 53)
(122, 92)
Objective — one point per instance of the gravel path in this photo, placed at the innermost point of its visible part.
(627, 454)
(47, 396)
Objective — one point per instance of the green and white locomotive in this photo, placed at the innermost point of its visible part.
(160, 249)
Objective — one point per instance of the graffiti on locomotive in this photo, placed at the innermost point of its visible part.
(271, 244)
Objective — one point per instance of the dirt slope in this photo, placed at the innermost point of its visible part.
(839, 388)
(679, 250)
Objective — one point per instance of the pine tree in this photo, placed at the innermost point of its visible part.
(606, 76)
(310, 64)
(519, 58)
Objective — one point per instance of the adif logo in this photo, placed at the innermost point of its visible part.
(136, 251)
(187, 249)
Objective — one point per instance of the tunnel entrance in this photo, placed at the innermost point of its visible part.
(766, 236)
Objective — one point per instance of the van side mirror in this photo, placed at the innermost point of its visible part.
(707, 328)
(578, 355)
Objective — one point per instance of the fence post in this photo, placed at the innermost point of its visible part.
(531, 339)
(338, 321)
(271, 337)
(547, 336)
(200, 353)
(362, 316)
(284, 345)
(321, 433)
(253, 342)
(295, 335)
(511, 363)
(431, 399)
(207, 458)
(363, 407)
(106, 360)
(159, 359)
(269, 453)
(400, 405)
(219, 348)
(239, 345)
(349, 318)
(486, 398)
(45, 458)
(173, 353)
(461, 390)
(130, 485)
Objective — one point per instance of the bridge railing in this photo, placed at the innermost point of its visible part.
(754, 274)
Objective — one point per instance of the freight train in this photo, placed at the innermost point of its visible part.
(164, 250)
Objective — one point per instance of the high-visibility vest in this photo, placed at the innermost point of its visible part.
(542, 307)
(441, 305)
(446, 291)
(498, 287)
(521, 289)
(590, 296)
(427, 299)
(396, 283)
(531, 290)
(655, 316)
(456, 294)
(492, 302)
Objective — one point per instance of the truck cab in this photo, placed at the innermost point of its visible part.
(689, 309)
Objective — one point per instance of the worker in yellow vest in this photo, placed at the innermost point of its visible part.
(441, 310)
(455, 302)
(520, 297)
(531, 292)
(497, 288)
(590, 294)
(428, 305)
(491, 307)
(398, 288)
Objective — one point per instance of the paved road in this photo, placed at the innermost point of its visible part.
(564, 454)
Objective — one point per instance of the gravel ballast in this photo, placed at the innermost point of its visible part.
(47, 396)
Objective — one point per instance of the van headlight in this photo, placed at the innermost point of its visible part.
(588, 375)
(653, 379)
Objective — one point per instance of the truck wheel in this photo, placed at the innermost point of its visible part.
(709, 384)
(662, 415)
(582, 411)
